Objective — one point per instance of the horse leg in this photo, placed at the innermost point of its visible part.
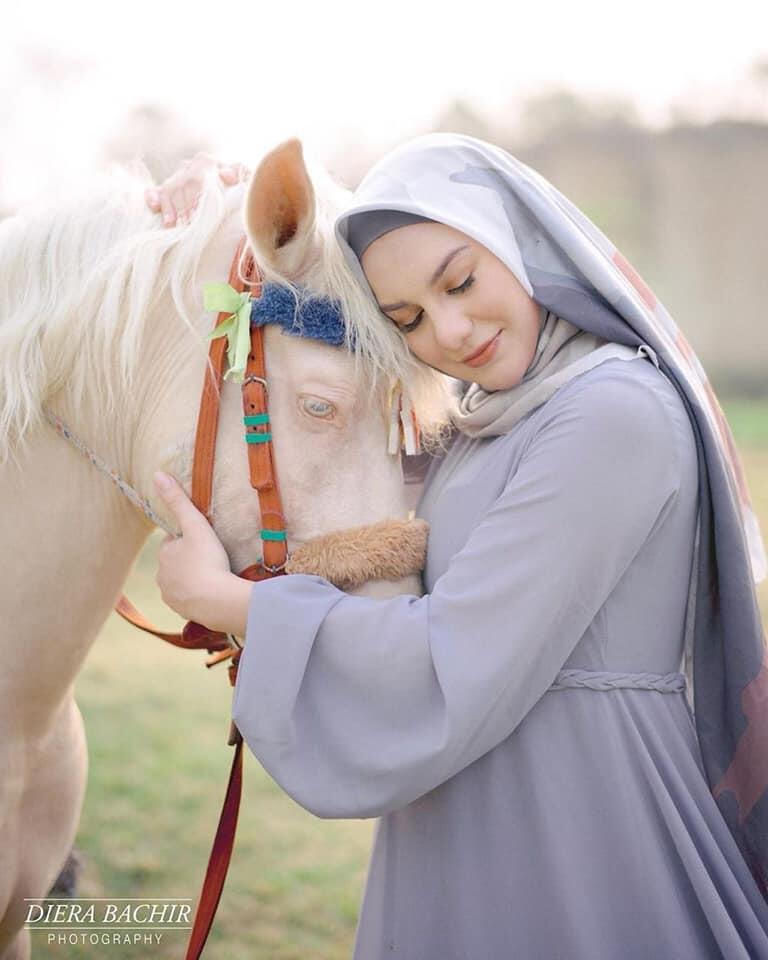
(38, 834)
(20, 948)
(65, 884)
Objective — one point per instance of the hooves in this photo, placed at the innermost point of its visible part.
(66, 882)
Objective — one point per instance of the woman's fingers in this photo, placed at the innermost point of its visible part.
(228, 175)
(190, 194)
(184, 511)
(232, 173)
(153, 200)
(177, 196)
(167, 209)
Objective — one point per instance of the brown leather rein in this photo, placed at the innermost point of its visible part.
(195, 636)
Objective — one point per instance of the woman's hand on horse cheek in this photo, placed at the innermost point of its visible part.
(192, 568)
(201, 592)
(189, 578)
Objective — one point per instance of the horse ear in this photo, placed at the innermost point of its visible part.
(280, 209)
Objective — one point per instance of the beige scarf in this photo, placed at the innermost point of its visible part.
(563, 351)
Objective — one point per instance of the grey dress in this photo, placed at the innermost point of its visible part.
(522, 729)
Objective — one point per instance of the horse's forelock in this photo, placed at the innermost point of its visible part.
(78, 282)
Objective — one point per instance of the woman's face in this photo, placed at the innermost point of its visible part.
(460, 308)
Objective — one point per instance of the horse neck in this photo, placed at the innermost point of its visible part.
(71, 541)
(72, 535)
(154, 424)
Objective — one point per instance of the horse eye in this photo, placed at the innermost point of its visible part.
(318, 408)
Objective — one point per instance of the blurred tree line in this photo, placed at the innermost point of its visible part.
(687, 203)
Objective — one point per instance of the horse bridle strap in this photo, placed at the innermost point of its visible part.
(261, 468)
(195, 636)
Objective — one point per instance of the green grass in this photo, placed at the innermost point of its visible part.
(157, 722)
(748, 419)
(755, 461)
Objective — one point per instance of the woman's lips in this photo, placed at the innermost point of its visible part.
(484, 354)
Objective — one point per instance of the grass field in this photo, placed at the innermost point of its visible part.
(157, 723)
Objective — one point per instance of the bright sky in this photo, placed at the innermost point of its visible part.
(247, 75)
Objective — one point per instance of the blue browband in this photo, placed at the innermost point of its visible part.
(318, 318)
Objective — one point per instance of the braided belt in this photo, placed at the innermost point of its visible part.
(603, 680)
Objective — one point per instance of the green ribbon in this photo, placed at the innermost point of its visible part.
(222, 298)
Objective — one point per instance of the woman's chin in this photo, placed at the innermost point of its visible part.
(503, 371)
(493, 380)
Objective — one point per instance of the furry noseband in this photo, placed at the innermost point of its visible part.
(388, 550)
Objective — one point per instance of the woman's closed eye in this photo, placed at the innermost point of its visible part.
(462, 288)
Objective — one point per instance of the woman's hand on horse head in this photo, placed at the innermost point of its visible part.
(193, 568)
(177, 196)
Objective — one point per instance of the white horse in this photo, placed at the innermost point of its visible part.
(101, 322)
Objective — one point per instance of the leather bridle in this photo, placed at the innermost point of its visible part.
(195, 636)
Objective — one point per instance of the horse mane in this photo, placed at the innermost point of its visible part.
(78, 281)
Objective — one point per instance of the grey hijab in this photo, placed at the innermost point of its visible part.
(563, 351)
(573, 270)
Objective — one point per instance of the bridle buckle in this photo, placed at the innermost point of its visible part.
(252, 378)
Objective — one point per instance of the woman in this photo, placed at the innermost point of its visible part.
(523, 729)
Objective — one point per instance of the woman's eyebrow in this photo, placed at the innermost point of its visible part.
(444, 263)
(441, 268)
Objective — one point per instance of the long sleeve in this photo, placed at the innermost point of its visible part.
(358, 706)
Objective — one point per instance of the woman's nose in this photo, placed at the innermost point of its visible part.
(453, 329)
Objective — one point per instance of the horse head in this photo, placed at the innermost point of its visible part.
(102, 325)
